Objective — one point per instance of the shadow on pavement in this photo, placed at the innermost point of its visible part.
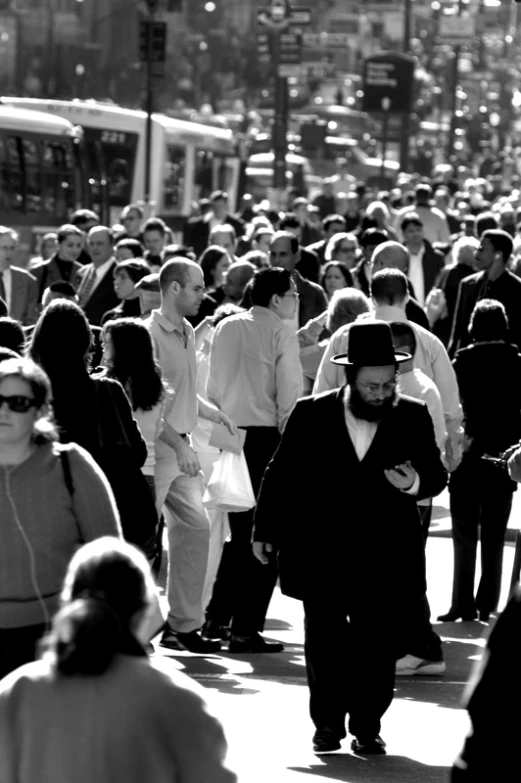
(212, 672)
(387, 769)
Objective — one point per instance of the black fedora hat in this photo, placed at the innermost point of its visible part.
(370, 344)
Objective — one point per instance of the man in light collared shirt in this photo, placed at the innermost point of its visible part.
(389, 291)
(179, 481)
(254, 377)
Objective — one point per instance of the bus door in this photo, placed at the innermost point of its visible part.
(96, 174)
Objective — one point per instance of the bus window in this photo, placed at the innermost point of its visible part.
(33, 197)
(119, 152)
(174, 179)
(58, 183)
(12, 174)
(224, 173)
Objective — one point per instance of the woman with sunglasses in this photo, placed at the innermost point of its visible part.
(52, 498)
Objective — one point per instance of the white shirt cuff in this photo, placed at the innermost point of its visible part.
(415, 487)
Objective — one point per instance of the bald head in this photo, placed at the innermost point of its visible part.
(177, 270)
(390, 255)
(237, 278)
(100, 242)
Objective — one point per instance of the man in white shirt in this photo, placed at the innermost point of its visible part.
(425, 263)
(389, 292)
(338, 504)
(95, 282)
(255, 378)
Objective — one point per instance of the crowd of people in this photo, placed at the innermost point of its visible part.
(317, 334)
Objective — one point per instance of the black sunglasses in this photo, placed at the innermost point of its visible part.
(17, 403)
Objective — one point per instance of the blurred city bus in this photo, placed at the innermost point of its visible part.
(299, 174)
(42, 173)
(188, 160)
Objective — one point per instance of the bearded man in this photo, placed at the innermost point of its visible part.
(338, 506)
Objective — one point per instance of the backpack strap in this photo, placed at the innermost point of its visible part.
(67, 474)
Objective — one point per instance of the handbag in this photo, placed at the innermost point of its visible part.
(136, 506)
(229, 488)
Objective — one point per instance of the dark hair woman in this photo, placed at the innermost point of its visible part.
(96, 414)
(335, 275)
(128, 354)
(126, 275)
(52, 499)
(481, 492)
(95, 707)
(63, 264)
(214, 262)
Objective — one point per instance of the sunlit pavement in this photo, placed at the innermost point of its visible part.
(263, 699)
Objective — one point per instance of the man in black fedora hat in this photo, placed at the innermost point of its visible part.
(350, 546)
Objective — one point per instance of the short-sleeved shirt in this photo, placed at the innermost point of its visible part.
(175, 352)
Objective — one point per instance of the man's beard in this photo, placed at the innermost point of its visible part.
(370, 411)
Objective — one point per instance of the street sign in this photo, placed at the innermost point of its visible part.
(290, 51)
(320, 40)
(286, 71)
(388, 75)
(152, 41)
(457, 30)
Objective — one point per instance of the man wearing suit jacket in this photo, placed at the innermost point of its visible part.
(95, 283)
(425, 263)
(18, 288)
(197, 231)
(284, 252)
(493, 281)
(354, 552)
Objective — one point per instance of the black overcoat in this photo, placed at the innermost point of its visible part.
(336, 522)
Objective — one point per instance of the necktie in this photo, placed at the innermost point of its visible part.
(86, 288)
(2, 288)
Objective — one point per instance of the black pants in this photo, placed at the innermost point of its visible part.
(243, 588)
(18, 646)
(480, 497)
(415, 633)
(350, 662)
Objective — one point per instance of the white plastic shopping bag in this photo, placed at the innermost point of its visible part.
(229, 488)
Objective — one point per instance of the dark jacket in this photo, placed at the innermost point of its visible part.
(24, 296)
(309, 266)
(494, 706)
(319, 248)
(197, 231)
(506, 289)
(103, 297)
(312, 301)
(489, 380)
(432, 263)
(53, 271)
(339, 526)
(127, 309)
(449, 279)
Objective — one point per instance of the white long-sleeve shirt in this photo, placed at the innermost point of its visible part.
(430, 356)
(255, 375)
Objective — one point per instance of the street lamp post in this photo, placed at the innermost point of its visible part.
(149, 107)
(386, 105)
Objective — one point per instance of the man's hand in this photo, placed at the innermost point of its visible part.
(401, 476)
(187, 460)
(514, 465)
(260, 550)
(224, 419)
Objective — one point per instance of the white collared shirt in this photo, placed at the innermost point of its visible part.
(101, 271)
(415, 275)
(8, 285)
(362, 435)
